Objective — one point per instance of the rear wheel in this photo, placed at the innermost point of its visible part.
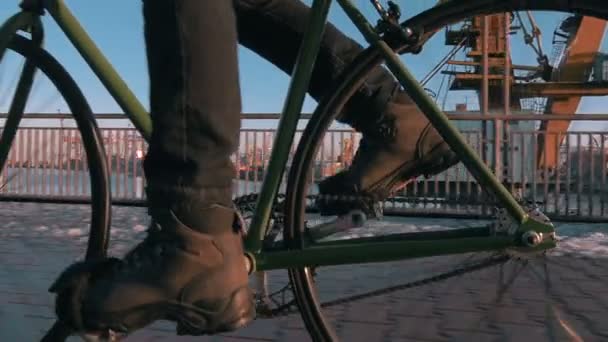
(320, 322)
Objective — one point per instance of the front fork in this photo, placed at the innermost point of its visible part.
(28, 22)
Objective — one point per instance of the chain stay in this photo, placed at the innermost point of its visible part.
(247, 202)
(291, 306)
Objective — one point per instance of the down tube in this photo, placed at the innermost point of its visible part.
(450, 133)
(298, 87)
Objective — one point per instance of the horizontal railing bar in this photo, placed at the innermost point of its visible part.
(529, 117)
(457, 116)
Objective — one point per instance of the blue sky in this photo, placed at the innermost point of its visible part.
(116, 26)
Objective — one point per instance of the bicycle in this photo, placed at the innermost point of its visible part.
(300, 252)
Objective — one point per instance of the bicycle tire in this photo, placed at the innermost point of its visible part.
(92, 141)
(427, 22)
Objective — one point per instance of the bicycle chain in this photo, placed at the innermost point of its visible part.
(247, 203)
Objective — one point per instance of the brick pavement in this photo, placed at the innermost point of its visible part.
(39, 240)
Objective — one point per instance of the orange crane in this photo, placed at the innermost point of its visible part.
(575, 49)
(581, 37)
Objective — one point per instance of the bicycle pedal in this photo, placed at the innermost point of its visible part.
(353, 219)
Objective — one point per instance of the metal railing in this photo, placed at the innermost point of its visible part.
(48, 164)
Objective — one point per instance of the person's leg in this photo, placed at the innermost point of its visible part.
(274, 29)
(398, 141)
(194, 96)
(191, 267)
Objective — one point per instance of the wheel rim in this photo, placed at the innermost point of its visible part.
(328, 109)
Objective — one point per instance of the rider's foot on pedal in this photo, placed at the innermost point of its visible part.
(398, 144)
(194, 275)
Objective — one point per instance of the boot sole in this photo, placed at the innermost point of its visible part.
(440, 159)
(436, 161)
(196, 319)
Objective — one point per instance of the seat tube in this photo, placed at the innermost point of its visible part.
(290, 115)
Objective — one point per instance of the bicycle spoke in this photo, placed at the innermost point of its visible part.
(503, 287)
(8, 180)
(553, 310)
(508, 273)
(44, 102)
(3, 68)
(6, 95)
(19, 171)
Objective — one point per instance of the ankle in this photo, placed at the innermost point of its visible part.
(213, 219)
(208, 210)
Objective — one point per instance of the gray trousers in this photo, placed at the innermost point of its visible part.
(194, 82)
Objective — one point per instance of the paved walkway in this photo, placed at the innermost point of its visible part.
(39, 240)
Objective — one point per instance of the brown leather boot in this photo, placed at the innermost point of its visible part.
(195, 276)
(398, 145)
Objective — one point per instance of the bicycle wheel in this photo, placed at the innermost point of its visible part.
(91, 139)
(71, 95)
(304, 281)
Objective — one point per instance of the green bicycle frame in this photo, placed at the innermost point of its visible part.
(351, 251)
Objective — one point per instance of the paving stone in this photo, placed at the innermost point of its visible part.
(293, 335)
(411, 307)
(418, 327)
(37, 241)
(454, 319)
(522, 333)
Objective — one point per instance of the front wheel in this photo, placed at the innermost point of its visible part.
(70, 93)
(318, 320)
(63, 90)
